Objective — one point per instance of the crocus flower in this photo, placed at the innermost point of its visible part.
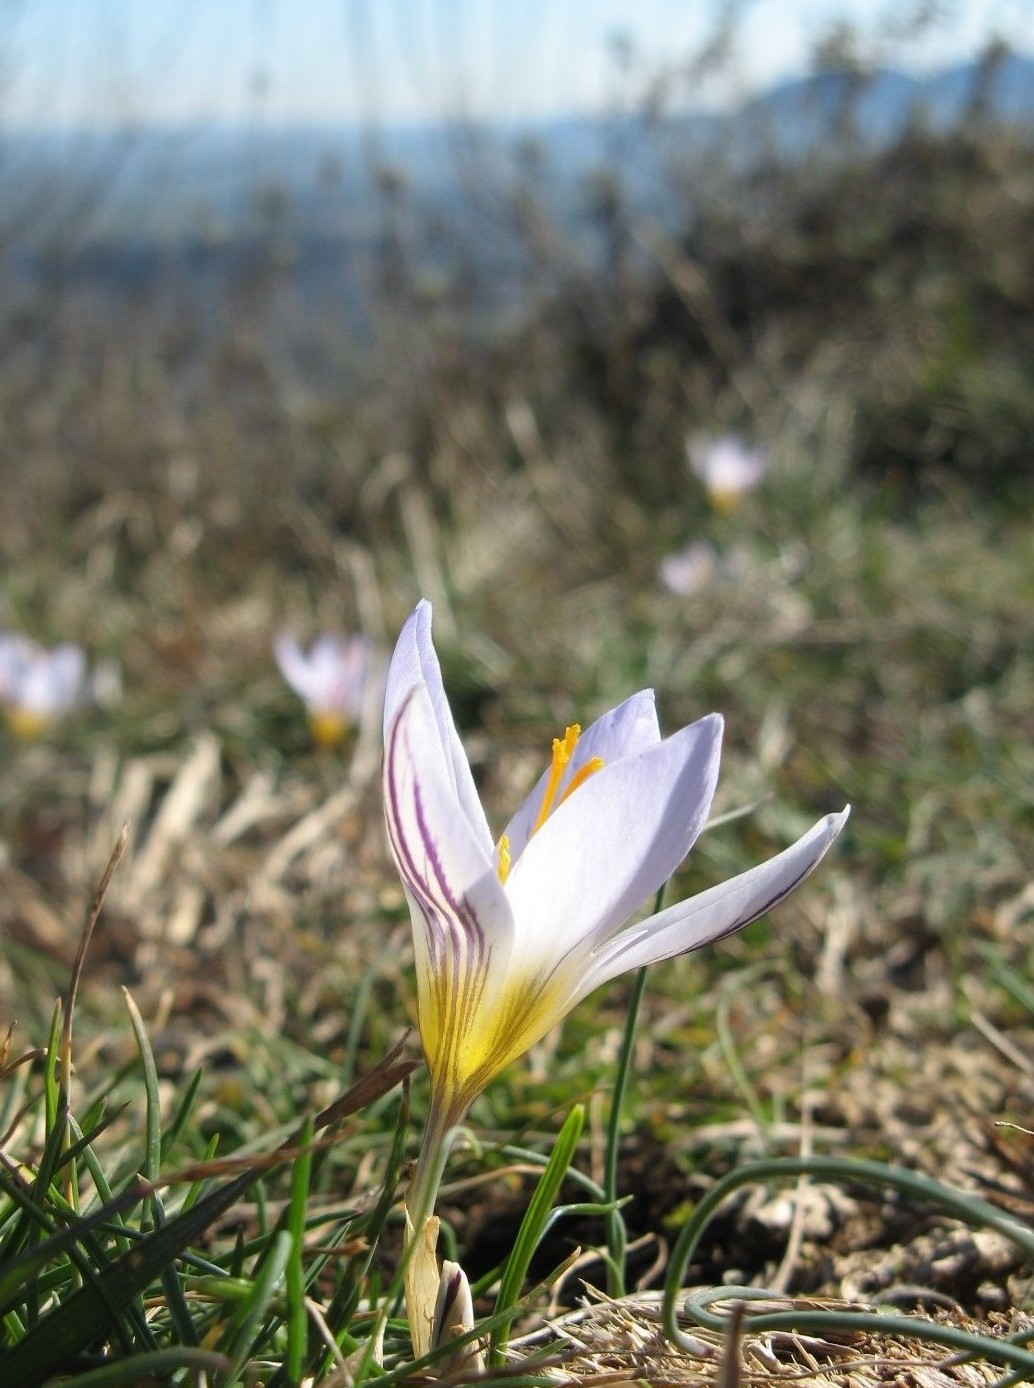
(511, 933)
(38, 686)
(331, 680)
(690, 569)
(727, 466)
(453, 1317)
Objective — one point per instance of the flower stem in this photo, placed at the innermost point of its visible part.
(430, 1167)
(617, 1235)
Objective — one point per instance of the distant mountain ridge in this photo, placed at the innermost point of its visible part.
(219, 183)
(884, 102)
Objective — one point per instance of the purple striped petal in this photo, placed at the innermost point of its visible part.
(414, 665)
(713, 914)
(447, 867)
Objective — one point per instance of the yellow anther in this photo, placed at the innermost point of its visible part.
(583, 773)
(563, 750)
(504, 858)
(725, 500)
(328, 729)
(26, 723)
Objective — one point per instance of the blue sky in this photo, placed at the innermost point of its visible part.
(109, 62)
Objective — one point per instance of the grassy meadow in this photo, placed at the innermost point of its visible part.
(173, 498)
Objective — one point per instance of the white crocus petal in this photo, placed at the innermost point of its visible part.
(326, 665)
(38, 685)
(17, 654)
(414, 664)
(453, 1318)
(604, 852)
(54, 681)
(621, 732)
(294, 667)
(69, 683)
(715, 913)
(462, 921)
(338, 669)
(332, 680)
(447, 865)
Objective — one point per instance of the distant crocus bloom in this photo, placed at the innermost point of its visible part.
(511, 934)
(38, 686)
(689, 569)
(331, 680)
(727, 466)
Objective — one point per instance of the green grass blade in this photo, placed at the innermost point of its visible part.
(533, 1223)
(179, 1311)
(342, 1308)
(152, 1157)
(244, 1326)
(51, 1083)
(614, 1223)
(16, 1273)
(54, 1341)
(175, 1127)
(969, 1209)
(297, 1319)
(157, 1366)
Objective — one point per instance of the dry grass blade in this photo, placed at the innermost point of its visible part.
(92, 916)
(606, 1341)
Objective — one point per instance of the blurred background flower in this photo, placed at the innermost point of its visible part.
(728, 468)
(38, 686)
(690, 569)
(331, 679)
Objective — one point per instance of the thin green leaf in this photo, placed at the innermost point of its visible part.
(342, 1308)
(244, 1326)
(614, 1223)
(173, 1129)
(533, 1223)
(51, 1085)
(16, 1273)
(52, 1344)
(848, 1170)
(297, 1320)
(151, 1164)
(158, 1365)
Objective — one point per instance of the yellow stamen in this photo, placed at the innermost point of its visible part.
(725, 500)
(328, 729)
(563, 751)
(26, 723)
(504, 858)
(583, 773)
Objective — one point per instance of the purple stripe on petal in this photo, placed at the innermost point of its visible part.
(419, 883)
(457, 943)
(714, 914)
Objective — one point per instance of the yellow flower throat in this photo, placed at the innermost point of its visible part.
(563, 751)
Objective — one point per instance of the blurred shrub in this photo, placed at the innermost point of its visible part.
(887, 286)
(898, 280)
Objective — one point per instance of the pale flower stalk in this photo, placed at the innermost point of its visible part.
(39, 686)
(728, 468)
(511, 933)
(331, 679)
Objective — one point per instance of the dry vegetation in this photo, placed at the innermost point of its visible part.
(172, 501)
